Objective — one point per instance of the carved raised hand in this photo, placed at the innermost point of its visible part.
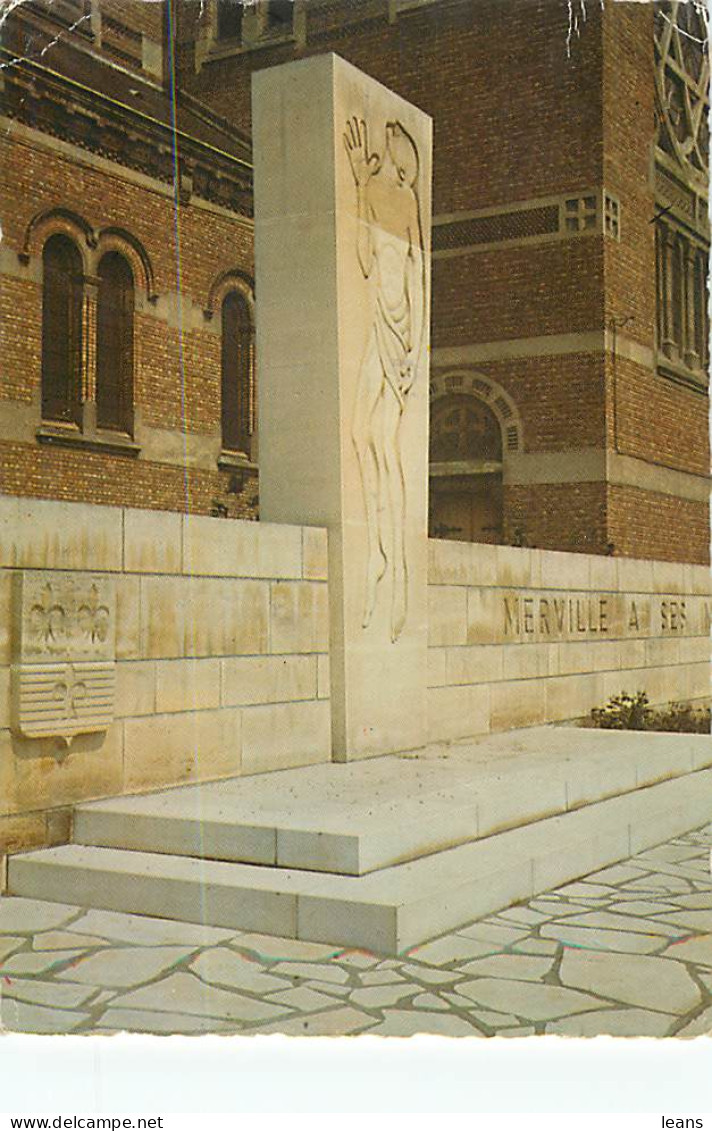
(364, 165)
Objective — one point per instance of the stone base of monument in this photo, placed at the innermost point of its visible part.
(382, 854)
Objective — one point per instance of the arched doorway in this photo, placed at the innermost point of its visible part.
(466, 501)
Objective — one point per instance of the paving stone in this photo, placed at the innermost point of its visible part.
(303, 999)
(332, 988)
(697, 901)
(26, 915)
(590, 889)
(501, 934)
(360, 960)
(522, 1031)
(19, 1017)
(428, 1001)
(701, 1026)
(9, 944)
(521, 967)
(524, 915)
(38, 962)
(557, 909)
(528, 999)
(104, 996)
(126, 966)
(142, 930)
(375, 997)
(613, 1023)
(273, 949)
(682, 871)
(695, 920)
(46, 993)
(670, 853)
(651, 983)
(333, 1023)
(183, 993)
(430, 975)
(658, 884)
(592, 938)
(144, 1021)
(697, 949)
(536, 946)
(65, 940)
(380, 977)
(642, 907)
(452, 948)
(616, 874)
(223, 966)
(316, 972)
(408, 1023)
(492, 1019)
(610, 921)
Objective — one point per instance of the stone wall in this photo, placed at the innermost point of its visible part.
(221, 655)
(519, 637)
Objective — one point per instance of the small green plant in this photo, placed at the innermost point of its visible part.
(633, 712)
(623, 712)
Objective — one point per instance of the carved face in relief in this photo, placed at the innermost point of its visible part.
(401, 149)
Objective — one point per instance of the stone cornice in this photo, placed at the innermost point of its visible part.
(62, 108)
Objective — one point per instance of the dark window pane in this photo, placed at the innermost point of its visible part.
(61, 330)
(237, 373)
(463, 428)
(114, 355)
(230, 14)
(279, 15)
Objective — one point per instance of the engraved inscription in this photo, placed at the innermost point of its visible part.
(526, 617)
(64, 670)
(391, 256)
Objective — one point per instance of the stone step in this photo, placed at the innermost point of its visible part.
(363, 817)
(388, 910)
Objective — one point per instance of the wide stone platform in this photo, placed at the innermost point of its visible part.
(386, 853)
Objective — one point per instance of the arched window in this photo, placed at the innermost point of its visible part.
(114, 352)
(237, 386)
(61, 331)
(466, 497)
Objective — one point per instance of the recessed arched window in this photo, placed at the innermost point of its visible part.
(237, 385)
(114, 344)
(466, 485)
(61, 330)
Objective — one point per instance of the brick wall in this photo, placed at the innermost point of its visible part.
(176, 349)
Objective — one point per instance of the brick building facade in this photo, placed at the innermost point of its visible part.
(569, 360)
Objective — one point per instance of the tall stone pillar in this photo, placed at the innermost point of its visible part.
(342, 247)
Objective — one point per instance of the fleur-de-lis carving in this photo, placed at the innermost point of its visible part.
(93, 617)
(47, 618)
(71, 693)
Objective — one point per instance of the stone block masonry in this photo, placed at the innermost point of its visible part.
(222, 655)
(342, 241)
(521, 637)
(220, 642)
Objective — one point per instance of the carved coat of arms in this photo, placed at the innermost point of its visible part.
(65, 653)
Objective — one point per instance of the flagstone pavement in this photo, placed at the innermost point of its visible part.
(626, 951)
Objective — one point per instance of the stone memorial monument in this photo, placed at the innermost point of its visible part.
(342, 249)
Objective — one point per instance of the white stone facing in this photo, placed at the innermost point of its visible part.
(342, 229)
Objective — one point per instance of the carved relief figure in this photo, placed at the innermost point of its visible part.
(391, 256)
